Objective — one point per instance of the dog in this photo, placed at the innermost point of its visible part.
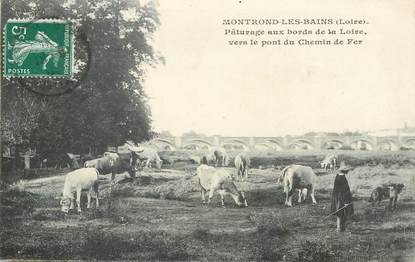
(389, 191)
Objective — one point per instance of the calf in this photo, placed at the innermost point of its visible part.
(78, 180)
(391, 191)
(217, 180)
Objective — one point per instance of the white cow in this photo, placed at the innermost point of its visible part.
(147, 156)
(218, 180)
(297, 177)
(329, 162)
(109, 158)
(78, 180)
(242, 163)
(221, 158)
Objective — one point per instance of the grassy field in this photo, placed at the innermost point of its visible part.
(159, 216)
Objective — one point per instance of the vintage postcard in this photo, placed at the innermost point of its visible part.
(196, 130)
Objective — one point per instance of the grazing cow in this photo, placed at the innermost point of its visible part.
(208, 158)
(242, 163)
(329, 162)
(297, 177)
(221, 158)
(147, 156)
(114, 164)
(218, 180)
(78, 180)
(391, 191)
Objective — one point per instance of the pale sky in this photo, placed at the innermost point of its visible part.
(210, 87)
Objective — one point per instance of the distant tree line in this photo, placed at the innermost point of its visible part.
(344, 133)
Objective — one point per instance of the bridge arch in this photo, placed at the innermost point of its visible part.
(332, 144)
(234, 144)
(362, 144)
(387, 145)
(197, 144)
(162, 144)
(275, 144)
(263, 146)
(409, 143)
(301, 144)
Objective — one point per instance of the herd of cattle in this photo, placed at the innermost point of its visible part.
(211, 177)
(86, 178)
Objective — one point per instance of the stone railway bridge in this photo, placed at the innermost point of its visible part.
(364, 142)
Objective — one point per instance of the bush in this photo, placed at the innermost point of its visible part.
(116, 209)
(126, 190)
(16, 202)
(311, 251)
(101, 245)
(397, 242)
(272, 229)
(149, 246)
(30, 174)
(176, 190)
(201, 234)
(266, 252)
(43, 215)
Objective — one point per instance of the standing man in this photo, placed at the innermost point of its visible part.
(341, 198)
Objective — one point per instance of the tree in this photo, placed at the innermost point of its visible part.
(20, 119)
(110, 105)
(192, 133)
(166, 133)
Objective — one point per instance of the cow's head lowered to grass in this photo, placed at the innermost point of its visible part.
(238, 196)
(76, 181)
(220, 181)
(66, 203)
(241, 200)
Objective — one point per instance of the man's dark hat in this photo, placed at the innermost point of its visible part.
(344, 168)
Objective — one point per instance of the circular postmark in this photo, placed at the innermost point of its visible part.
(48, 56)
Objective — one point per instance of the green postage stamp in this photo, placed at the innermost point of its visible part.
(38, 48)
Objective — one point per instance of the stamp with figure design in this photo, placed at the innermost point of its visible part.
(39, 48)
